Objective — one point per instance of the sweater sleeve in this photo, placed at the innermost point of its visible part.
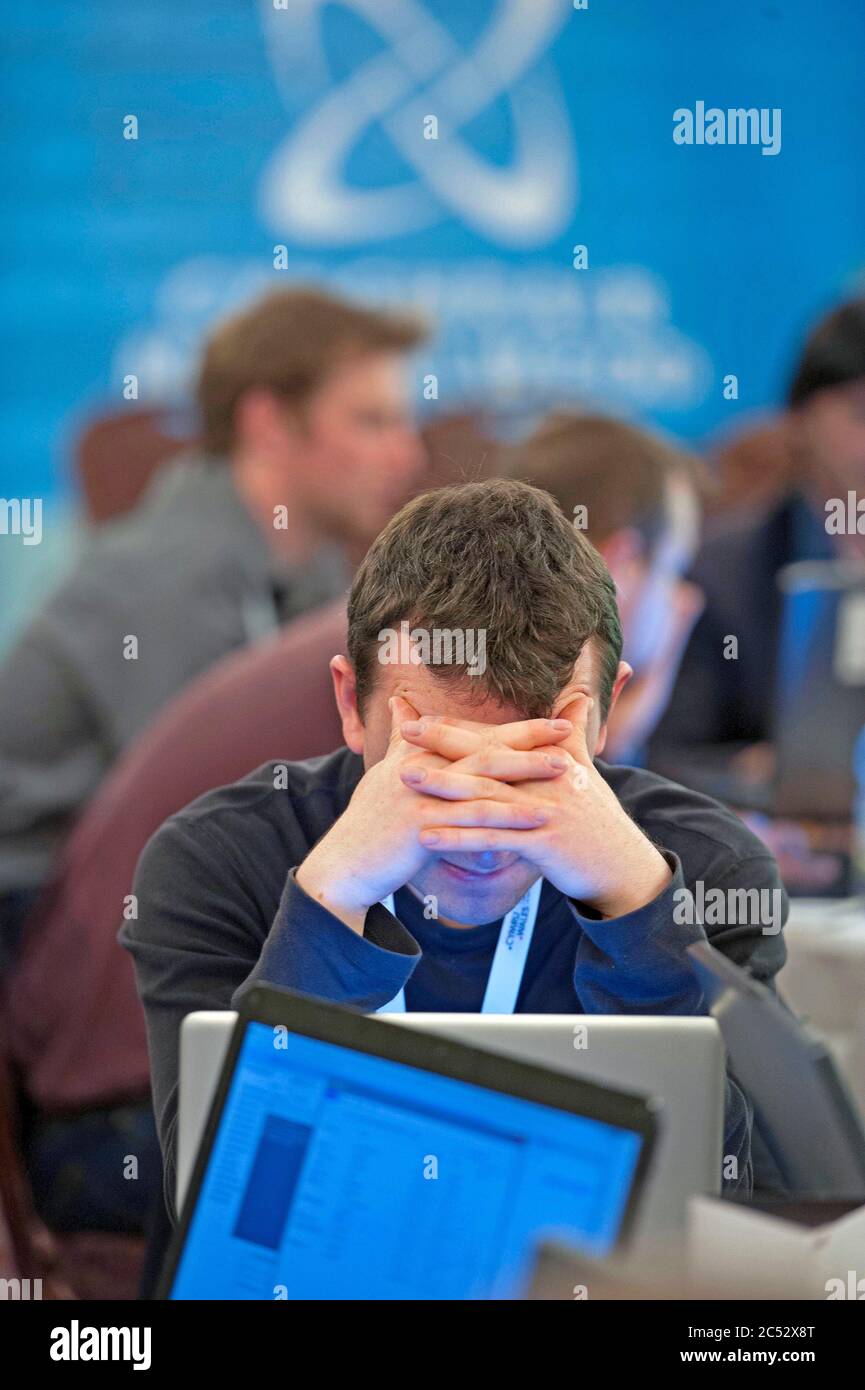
(199, 943)
(637, 964)
(310, 950)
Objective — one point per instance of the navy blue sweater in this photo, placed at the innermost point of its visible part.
(219, 910)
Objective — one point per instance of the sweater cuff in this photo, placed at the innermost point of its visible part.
(311, 950)
(637, 963)
(656, 923)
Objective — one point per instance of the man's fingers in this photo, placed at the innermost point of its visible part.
(513, 765)
(503, 815)
(474, 839)
(532, 733)
(458, 738)
(441, 736)
(448, 784)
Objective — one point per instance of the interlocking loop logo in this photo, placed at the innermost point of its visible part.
(423, 71)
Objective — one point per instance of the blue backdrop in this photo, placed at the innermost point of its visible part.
(303, 127)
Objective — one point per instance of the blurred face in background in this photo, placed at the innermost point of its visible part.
(829, 435)
(341, 463)
(356, 452)
(648, 580)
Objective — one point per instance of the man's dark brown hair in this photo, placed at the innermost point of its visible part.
(619, 473)
(288, 343)
(498, 557)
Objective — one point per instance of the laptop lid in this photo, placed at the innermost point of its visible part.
(345, 1158)
(678, 1061)
(805, 1112)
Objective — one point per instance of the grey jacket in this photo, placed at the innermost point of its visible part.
(191, 578)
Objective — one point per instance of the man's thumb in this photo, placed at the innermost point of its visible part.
(400, 711)
(578, 711)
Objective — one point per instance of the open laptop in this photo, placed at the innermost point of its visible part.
(818, 707)
(820, 683)
(679, 1061)
(346, 1159)
(806, 1115)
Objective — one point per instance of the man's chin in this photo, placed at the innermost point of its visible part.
(472, 898)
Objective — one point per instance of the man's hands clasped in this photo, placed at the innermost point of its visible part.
(576, 831)
(454, 787)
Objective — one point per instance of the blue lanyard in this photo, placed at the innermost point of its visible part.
(509, 961)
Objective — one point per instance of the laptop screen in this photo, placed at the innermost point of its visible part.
(336, 1174)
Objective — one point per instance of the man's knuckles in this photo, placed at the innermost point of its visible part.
(481, 813)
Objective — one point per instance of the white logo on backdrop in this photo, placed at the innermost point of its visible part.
(515, 336)
(422, 71)
(511, 337)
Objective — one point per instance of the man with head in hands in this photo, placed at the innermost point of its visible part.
(466, 850)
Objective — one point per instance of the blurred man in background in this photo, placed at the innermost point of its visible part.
(307, 449)
(637, 497)
(720, 713)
